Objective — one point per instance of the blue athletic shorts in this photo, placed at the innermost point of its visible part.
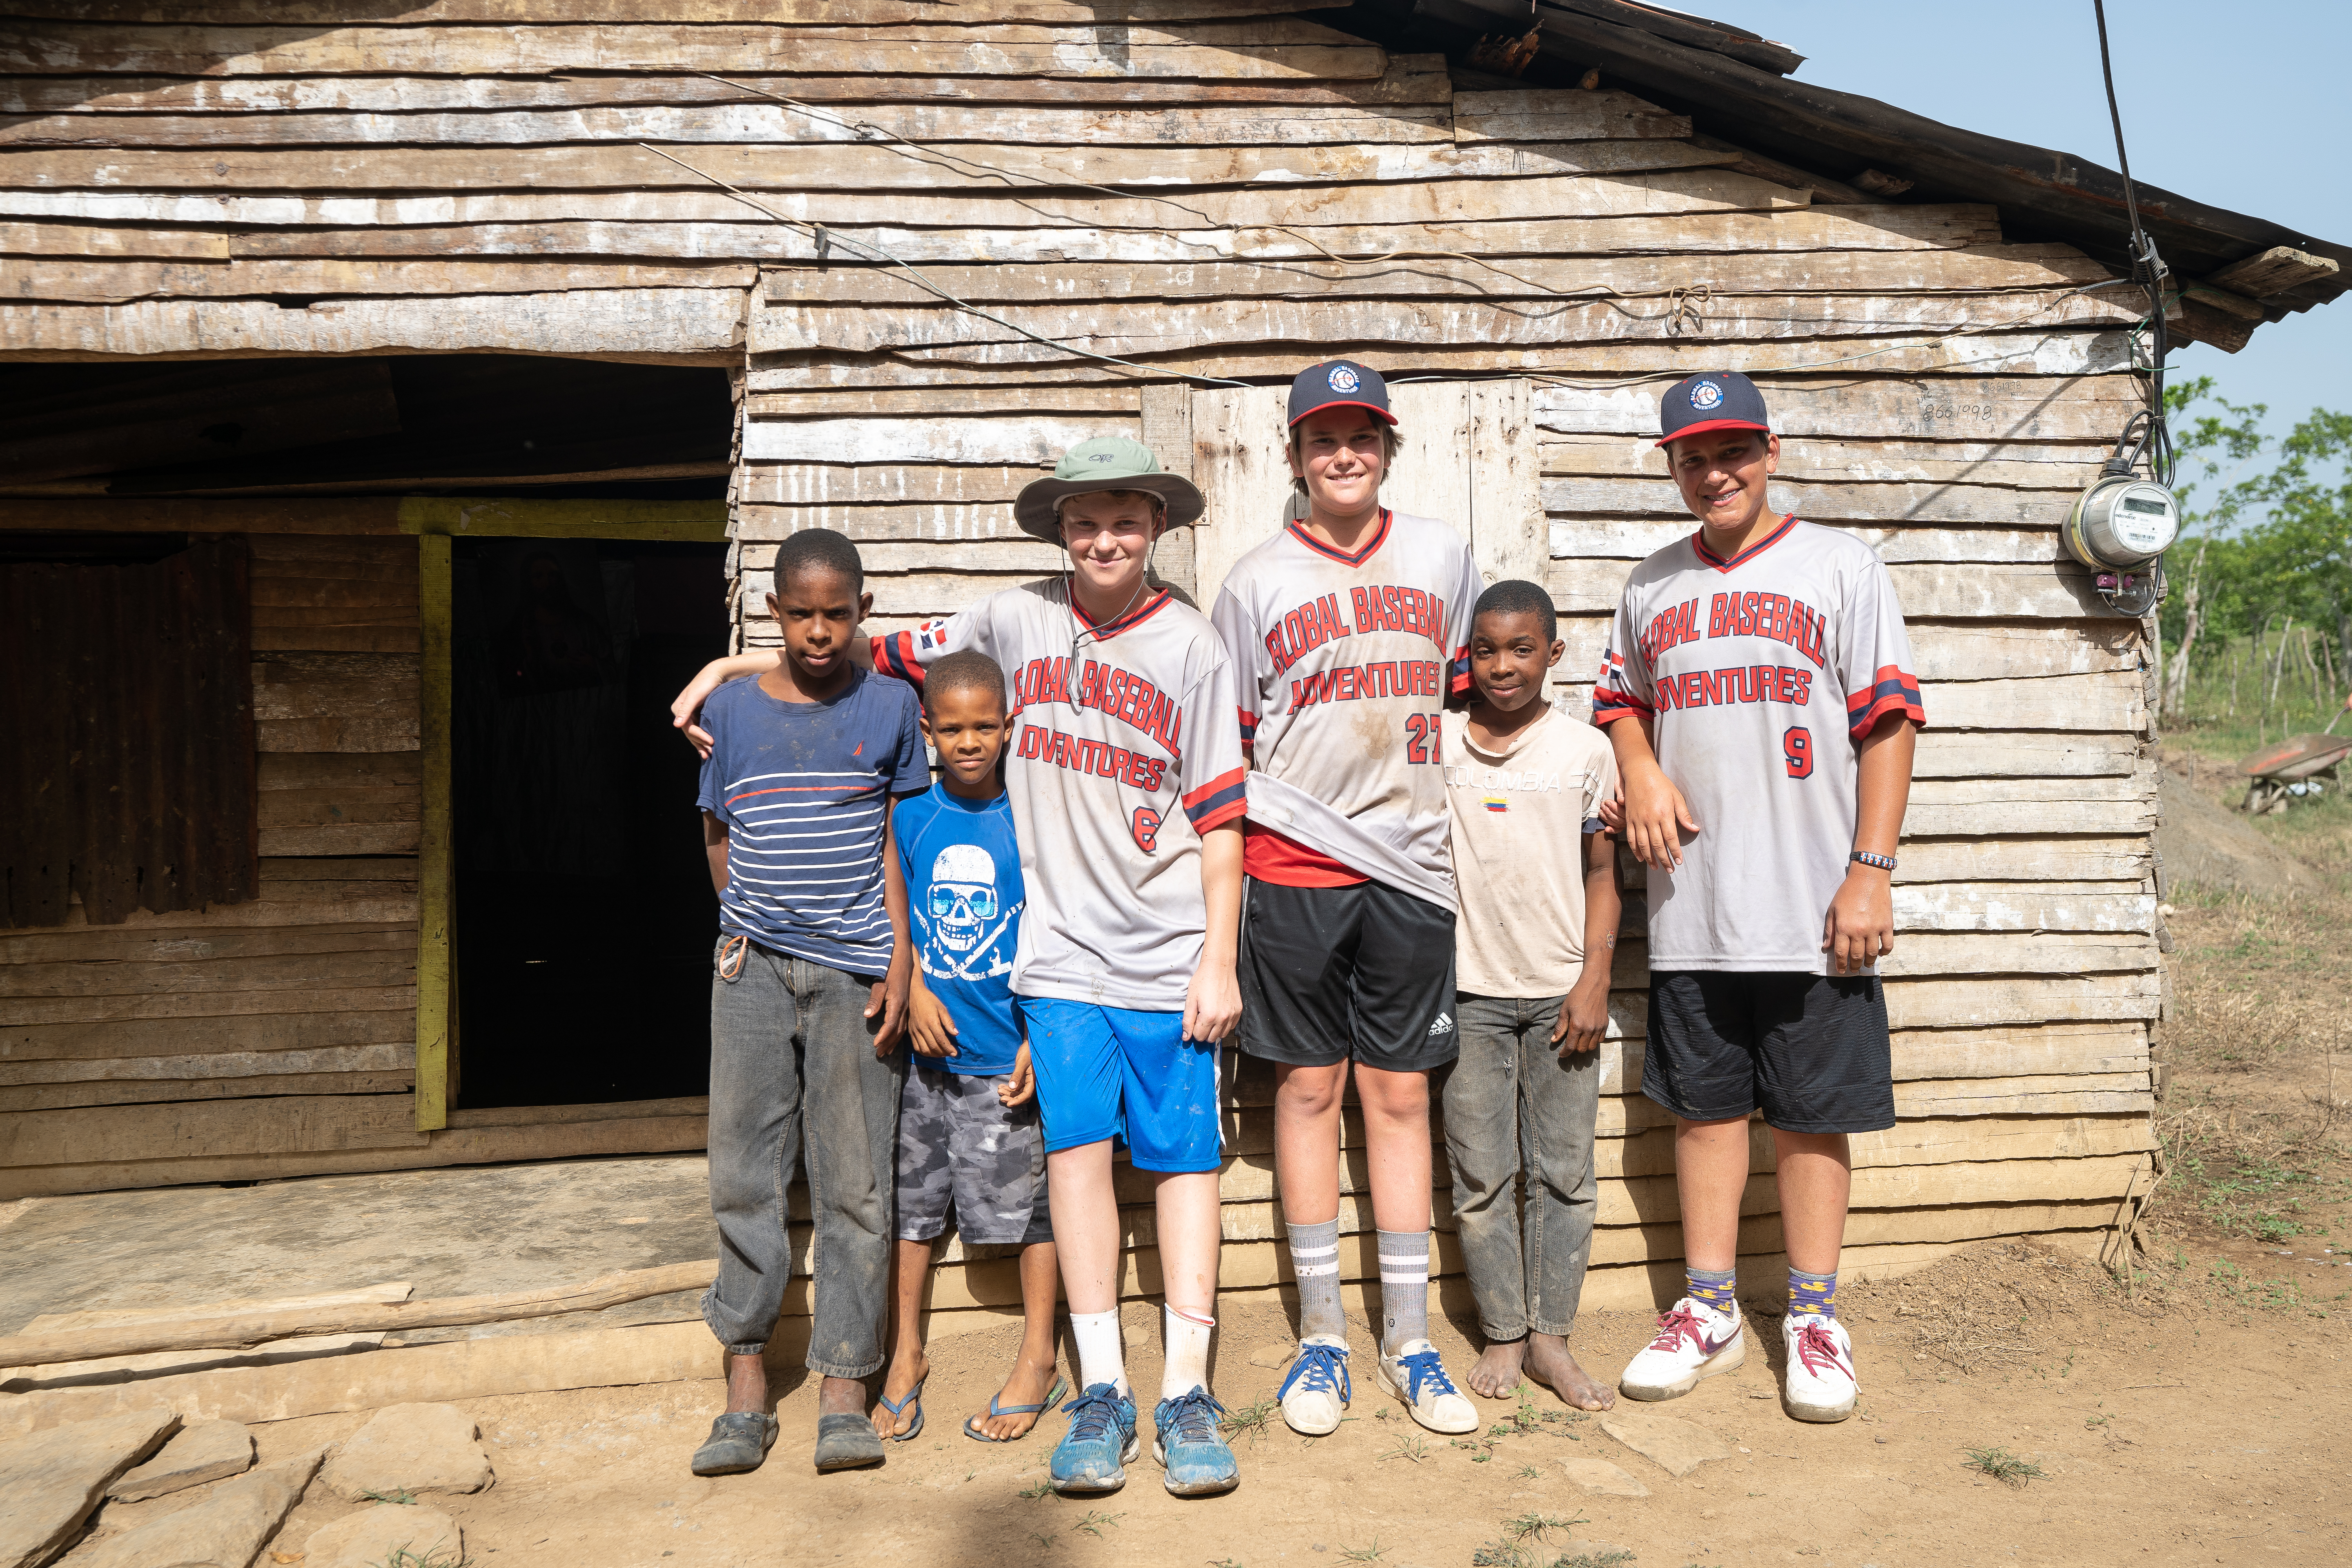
(1113, 1072)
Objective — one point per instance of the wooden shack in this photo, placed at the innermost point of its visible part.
(368, 368)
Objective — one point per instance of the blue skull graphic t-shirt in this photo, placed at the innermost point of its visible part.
(964, 896)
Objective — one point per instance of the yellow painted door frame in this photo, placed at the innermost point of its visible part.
(435, 522)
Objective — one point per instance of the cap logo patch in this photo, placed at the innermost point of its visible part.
(1344, 379)
(1707, 394)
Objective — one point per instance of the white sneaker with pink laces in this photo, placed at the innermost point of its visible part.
(1821, 1368)
(1694, 1341)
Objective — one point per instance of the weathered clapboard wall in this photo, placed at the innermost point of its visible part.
(925, 264)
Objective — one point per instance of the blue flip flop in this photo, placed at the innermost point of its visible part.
(914, 1397)
(1052, 1397)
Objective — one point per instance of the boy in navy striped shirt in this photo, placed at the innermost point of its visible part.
(809, 997)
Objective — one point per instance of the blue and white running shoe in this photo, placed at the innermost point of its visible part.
(1318, 1388)
(1186, 1440)
(1419, 1379)
(1092, 1455)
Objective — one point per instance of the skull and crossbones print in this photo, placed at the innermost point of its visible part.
(964, 924)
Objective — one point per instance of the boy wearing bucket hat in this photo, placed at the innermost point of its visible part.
(1757, 692)
(1125, 778)
(1349, 629)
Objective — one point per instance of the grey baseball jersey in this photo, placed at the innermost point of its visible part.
(1762, 673)
(1122, 753)
(1345, 662)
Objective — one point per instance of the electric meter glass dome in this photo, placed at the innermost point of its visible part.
(2122, 523)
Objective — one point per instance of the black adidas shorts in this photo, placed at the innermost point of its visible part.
(1809, 1049)
(1330, 973)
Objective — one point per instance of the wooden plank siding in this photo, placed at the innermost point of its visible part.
(1227, 190)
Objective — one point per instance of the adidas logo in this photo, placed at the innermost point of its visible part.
(1444, 1025)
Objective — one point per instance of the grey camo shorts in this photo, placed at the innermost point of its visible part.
(960, 1148)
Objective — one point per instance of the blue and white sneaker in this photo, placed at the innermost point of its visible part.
(1419, 1379)
(1318, 1388)
(1186, 1440)
(1093, 1454)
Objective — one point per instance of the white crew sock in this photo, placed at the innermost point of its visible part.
(1187, 1367)
(1102, 1355)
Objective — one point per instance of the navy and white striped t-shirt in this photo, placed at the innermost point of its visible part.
(801, 789)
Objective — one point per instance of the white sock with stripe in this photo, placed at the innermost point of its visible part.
(1315, 1259)
(1404, 1288)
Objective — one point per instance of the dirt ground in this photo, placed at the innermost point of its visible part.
(2019, 1404)
(2187, 1430)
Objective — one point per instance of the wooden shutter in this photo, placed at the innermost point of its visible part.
(126, 719)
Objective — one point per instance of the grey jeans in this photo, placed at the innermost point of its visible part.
(793, 1071)
(1513, 1105)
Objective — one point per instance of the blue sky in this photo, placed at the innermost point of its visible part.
(2235, 116)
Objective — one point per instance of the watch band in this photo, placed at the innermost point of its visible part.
(1884, 862)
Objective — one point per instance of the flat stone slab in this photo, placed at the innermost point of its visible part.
(1273, 1355)
(1678, 1447)
(224, 1531)
(414, 1449)
(51, 1480)
(369, 1538)
(1602, 1476)
(207, 1451)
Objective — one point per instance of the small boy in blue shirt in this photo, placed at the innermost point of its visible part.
(970, 1139)
(808, 997)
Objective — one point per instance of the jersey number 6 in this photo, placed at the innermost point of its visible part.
(1797, 750)
(1145, 826)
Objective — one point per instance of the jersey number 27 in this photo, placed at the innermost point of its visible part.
(1420, 737)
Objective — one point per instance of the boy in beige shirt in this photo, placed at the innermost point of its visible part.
(1538, 884)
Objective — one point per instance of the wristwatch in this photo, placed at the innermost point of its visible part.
(1884, 862)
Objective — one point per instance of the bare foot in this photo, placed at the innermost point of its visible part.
(1498, 1372)
(1549, 1362)
(903, 1374)
(1027, 1385)
(747, 1384)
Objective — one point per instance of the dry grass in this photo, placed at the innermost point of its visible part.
(1992, 1307)
(2254, 1122)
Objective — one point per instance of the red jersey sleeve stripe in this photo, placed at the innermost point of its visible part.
(1894, 702)
(1610, 705)
(1459, 680)
(1195, 799)
(1217, 817)
(895, 655)
(1891, 681)
(1249, 726)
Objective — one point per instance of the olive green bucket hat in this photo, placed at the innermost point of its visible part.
(1104, 463)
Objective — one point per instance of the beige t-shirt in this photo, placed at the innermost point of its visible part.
(1518, 823)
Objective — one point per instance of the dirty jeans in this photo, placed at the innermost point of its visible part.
(793, 1068)
(1512, 1105)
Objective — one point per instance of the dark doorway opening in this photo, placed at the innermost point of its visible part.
(584, 917)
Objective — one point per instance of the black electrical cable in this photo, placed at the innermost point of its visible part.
(2147, 270)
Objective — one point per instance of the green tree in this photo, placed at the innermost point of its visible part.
(2261, 549)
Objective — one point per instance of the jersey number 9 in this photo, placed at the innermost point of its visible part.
(1797, 751)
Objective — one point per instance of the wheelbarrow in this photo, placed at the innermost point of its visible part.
(2298, 765)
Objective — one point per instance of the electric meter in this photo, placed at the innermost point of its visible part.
(2122, 522)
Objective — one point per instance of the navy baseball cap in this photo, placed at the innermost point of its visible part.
(1720, 399)
(1341, 383)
